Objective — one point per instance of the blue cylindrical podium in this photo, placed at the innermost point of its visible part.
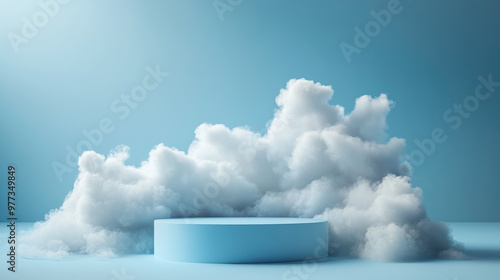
(240, 240)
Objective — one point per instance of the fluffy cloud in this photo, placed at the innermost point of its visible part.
(313, 161)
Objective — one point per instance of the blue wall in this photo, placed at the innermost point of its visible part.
(66, 70)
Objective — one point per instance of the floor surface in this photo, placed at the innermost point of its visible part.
(481, 240)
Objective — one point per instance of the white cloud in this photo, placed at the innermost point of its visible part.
(314, 161)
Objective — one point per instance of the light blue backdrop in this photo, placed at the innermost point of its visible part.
(227, 62)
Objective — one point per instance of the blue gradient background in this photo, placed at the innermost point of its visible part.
(64, 80)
